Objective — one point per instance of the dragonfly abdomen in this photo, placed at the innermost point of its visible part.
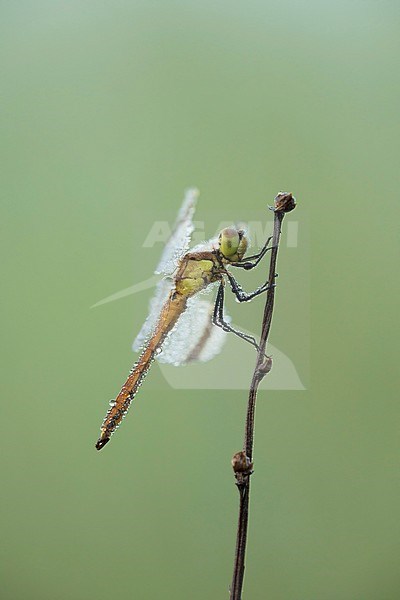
(172, 310)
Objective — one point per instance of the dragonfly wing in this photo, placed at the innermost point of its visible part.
(179, 240)
(207, 246)
(194, 337)
(156, 303)
(210, 345)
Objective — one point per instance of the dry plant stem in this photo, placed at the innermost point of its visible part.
(242, 462)
(259, 373)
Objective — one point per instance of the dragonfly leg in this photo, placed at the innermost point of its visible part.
(244, 296)
(247, 264)
(219, 321)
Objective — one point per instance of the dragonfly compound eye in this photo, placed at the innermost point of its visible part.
(229, 241)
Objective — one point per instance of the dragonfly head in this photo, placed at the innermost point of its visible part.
(232, 243)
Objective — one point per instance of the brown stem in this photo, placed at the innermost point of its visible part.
(242, 462)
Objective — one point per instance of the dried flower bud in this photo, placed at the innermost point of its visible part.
(241, 463)
(284, 202)
(266, 365)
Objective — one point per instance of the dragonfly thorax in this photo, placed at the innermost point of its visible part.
(195, 273)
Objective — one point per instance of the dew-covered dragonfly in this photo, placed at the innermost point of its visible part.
(183, 325)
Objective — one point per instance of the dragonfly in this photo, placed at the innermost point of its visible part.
(183, 326)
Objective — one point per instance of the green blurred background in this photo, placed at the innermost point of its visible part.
(110, 110)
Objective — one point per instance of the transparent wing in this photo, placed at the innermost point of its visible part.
(163, 289)
(194, 337)
(213, 343)
(179, 240)
(209, 245)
